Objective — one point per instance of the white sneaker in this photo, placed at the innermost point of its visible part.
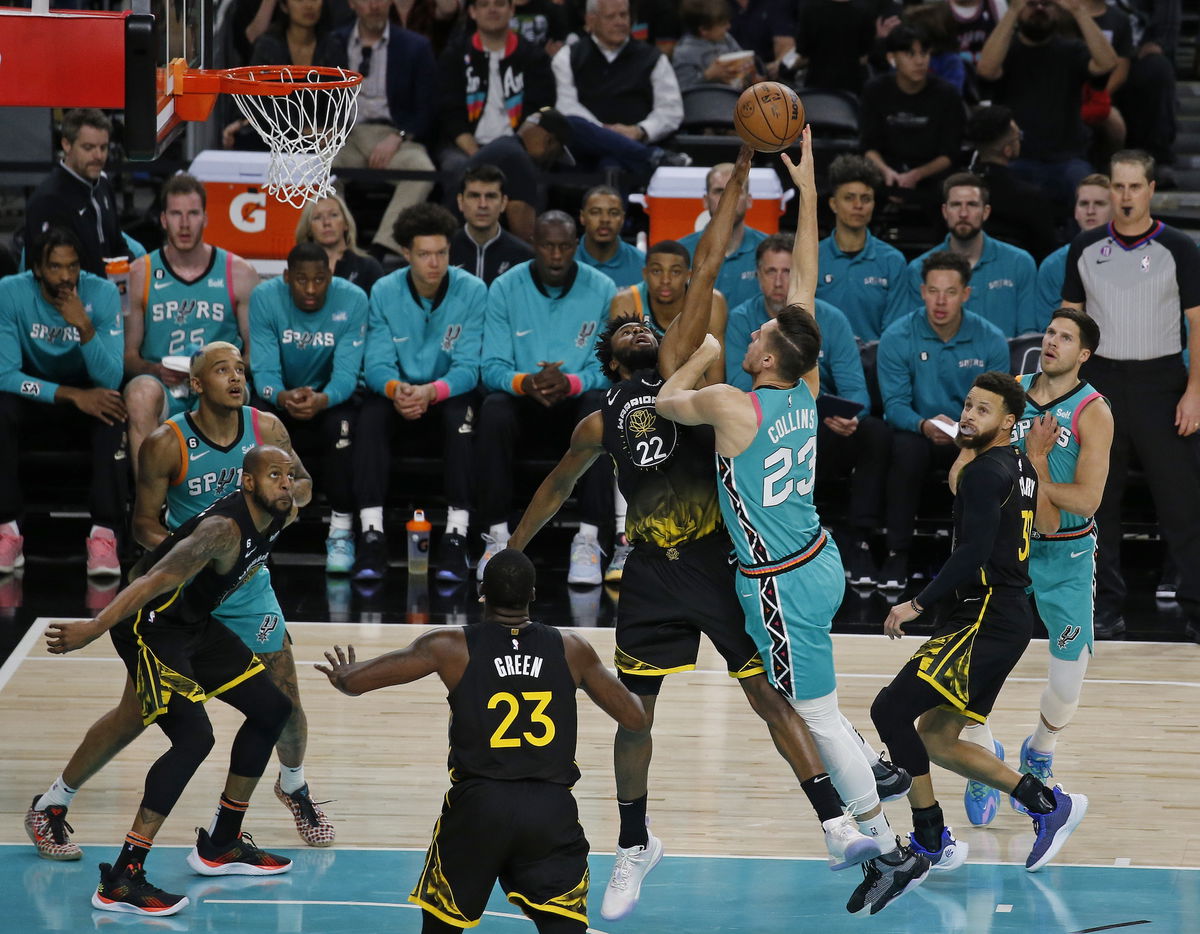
(585, 562)
(629, 871)
(492, 547)
(848, 846)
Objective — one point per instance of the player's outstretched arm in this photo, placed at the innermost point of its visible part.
(711, 405)
(802, 288)
(609, 694)
(274, 432)
(587, 443)
(443, 651)
(214, 539)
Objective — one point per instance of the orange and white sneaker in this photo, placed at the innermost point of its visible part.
(314, 827)
(12, 552)
(127, 890)
(239, 858)
(48, 829)
(102, 558)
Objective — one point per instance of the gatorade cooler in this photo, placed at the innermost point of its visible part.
(673, 200)
(242, 217)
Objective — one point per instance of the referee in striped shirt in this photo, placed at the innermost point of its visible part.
(1139, 279)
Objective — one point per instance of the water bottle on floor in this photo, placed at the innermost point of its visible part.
(418, 543)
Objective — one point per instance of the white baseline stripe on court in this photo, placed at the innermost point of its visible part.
(22, 650)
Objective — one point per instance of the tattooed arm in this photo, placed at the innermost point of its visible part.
(273, 432)
(215, 540)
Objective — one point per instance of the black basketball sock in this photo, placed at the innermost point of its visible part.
(928, 824)
(133, 852)
(228, 823)
(633, 823)
(1034, 795)
(822, 796)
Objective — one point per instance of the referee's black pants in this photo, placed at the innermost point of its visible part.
(109, 490)
(503, 419)
(865, 456)
(1143, 395)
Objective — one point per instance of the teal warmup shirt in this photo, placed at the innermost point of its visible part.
(528, 322)
(1065, 453)
(1003, 286)
(866, 285)
(738, 279)
(39, 351)
(1050, 278)
(625, 268)
(323, 349)
(920, 376)
(418, 340)
(209, 472)
(839, 363)
(766, 491)
(181, 317)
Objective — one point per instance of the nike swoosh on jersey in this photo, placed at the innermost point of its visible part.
(197, 457)
(399, 340)
(524, 333)
(161, 285)
(117, 332)
(1076, 554)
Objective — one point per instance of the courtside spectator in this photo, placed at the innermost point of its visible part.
(481, 246)
(1093, 208)
(738, 278)
(329, 223)
(704, 54)
(601, 247)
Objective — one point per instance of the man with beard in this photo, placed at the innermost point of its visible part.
(678, 582)
(1041, 78)
(601, 247)
(1003, 277)
(954, 678)
(60, 357)
(181, 656)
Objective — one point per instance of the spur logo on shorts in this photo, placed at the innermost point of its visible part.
(1068, 635)
(587, 332)
(270, 622)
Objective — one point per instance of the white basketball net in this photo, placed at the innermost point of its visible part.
(304, 128)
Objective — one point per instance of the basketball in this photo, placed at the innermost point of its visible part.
(769, 116)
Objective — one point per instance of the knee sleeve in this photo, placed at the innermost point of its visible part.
(1060, 698)
(841, 752)
(894, 721)
(191, 741)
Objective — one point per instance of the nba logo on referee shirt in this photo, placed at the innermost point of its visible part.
(1145, 263)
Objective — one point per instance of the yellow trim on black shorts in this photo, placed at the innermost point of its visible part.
(572, 904)
(952, 664)
(433, 882)
(753, 666)
(628, 665)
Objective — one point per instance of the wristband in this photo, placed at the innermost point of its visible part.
(390, 387)
(516, 384)
(916, 606)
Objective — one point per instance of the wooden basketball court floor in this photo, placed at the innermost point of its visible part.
(744, 850)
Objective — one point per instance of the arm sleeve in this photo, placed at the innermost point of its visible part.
(845, 362)
(982, 489)
(1028, 307)
(667, 114)
(12, 378)
(567, 97)
(498, 368)
(104, 354)
(1072, 286)
(896, 384)
(463, 374)
(264, 347)
(379, 358)
(348, 351)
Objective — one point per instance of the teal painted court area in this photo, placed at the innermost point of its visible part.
(345, 891)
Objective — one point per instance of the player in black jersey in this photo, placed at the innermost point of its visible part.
(953, 679)
(678, 581)
(509, 814)
(179, 656)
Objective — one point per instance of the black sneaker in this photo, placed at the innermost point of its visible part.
(371, 559)
(860, 567)
(240, 858)
(451, 559)
(894, 575)
(891, 782)
(129, 891)
(1168, 585)
(886, 878)
(1109, 627)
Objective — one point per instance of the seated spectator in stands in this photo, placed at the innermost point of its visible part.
(542, 23)
(935, 21)
(1003, 276)
(857, 445)
(926, 363)
(1099, 112)
(1093, 208)
(481, 246)
(299, 34)
(77, 195)
(658, 297)
(1020, 214)
(768, 28)
(704, 54)
(421, 369)
(434, 19)
(541, 141)
(182, 296)
(601, 247)
(60, 345)
(738, 278)
(307, 329)
(1040, 77)
(912, 122)
(488, 80)
(541, 376)
(620, 94)
(395, 105)
(859, 273)
(1147, 99)
(247, 20)
(834, 38)
(330, 224)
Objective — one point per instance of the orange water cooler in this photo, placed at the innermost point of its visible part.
(242, 217)
(673, 201)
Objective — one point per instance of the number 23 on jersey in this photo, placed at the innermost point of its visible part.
(533, 705)
(777, 484)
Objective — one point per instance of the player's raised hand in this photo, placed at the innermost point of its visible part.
(802, 172)
(339, 663)
(62, 638)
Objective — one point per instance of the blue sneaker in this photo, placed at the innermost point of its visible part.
(339, 553)
(951, 855)
(1053, 829)
(1037, 764)
(982, 801)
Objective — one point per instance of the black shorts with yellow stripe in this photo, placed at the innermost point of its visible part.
(979, 642)
(525, 833)
(669, 596)
(165, 656)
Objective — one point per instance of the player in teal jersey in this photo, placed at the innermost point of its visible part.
(1067, 439)
(189, 463)
(790, 580)
(181, 297)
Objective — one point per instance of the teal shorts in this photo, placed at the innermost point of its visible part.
(252, 612)
(789, 615)
(1063, 571)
